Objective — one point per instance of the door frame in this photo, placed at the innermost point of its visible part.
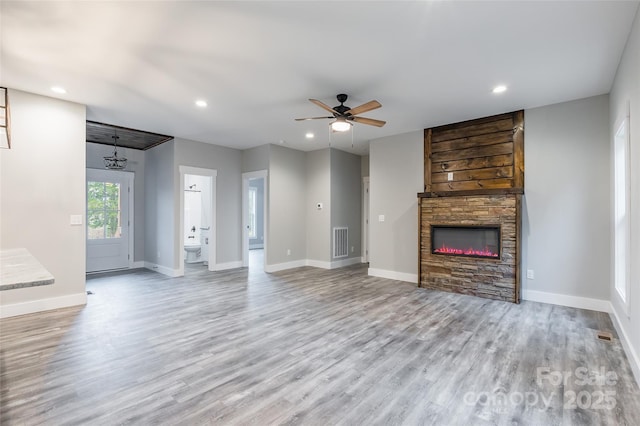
(130, 179)
(212, 174)
(246, 177)
(365, 219)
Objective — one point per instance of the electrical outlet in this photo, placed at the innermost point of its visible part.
(352, 249)
(450, 176)
(381, 218)
(75, 219)
(288, 252)
(530, 274)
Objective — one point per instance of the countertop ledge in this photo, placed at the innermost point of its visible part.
(19, 269)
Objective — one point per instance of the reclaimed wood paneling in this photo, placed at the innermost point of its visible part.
(484, 148)
(427, 164)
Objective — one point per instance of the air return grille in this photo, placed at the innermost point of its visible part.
(340, 242)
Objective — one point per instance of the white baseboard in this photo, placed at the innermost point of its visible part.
(344, 262)
(318, 264)
(632, 355)
(137, 264)
(566, 300)
(228, 265)
(393, 275)
(163, 269)
(40, 305)
(287, 265)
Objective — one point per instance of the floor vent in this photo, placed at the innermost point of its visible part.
(340, 242)
(605, 335)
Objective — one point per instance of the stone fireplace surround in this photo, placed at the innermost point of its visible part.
(485, 277)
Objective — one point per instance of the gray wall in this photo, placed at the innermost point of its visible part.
(228, 205)
(258, 242)
(160, 199)
(135, 163)
(42, 183)
(346, 197)
(396, 176)
(287, 209)
(318, 169)
(565, 229)
(625, 98)
(255, 159)
(364, 166)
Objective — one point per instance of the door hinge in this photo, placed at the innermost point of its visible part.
(128, 256)
(128, 189)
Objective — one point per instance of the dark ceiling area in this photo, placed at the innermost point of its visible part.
(127, 138)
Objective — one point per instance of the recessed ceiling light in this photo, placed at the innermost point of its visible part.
(59, 89)
(200, 103)
(499, 89)
(309, 135)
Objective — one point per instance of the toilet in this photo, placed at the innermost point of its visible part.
(192, 251)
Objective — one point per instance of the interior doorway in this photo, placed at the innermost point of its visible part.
(365, 219)
(254, 219)
(197, 237)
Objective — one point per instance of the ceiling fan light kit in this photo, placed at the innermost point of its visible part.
(344, 117)
(341, 125)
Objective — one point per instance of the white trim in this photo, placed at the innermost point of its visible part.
(318, 264)
(600, 305)
(138, 264)
(632, 355)
(40, 305)
(259, 174)
(164, 270)
(212, 174)
(228, 265)
(393, 275)
(365, 216)
(344, 262)
(287, 265)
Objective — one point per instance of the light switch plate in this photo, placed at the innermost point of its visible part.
(381, 218)
(75, 219)
(530, 274)
(450, 176)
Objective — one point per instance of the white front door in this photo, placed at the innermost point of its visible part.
(108, 219)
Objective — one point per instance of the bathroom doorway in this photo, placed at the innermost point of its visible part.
(254, 220)
(197, 243)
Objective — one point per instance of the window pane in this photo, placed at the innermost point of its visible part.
(252, 212)
(95, 195)
(95, 225)
(621, 211)
(112, 196)
(113, 227)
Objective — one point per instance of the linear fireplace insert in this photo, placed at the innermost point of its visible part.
(462, 240)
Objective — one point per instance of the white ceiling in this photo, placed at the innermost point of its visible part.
(142, 64)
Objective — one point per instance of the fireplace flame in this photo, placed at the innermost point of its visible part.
(468, 252)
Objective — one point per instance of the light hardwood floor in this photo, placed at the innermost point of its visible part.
(307, 346)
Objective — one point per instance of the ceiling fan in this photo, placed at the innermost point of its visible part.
(345, 116)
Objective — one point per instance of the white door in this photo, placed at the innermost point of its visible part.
(108, 222)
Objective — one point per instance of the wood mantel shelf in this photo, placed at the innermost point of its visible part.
(471, 192)
(19, 269)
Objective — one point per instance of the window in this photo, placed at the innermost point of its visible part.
(621, 210)
(252, 212)
(103, 210)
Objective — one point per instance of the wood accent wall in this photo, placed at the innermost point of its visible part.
(484, 277)
(483, 154)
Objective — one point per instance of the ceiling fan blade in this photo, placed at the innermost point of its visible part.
(324, 106)
(312, 118)
(364, 107)
(369, 121)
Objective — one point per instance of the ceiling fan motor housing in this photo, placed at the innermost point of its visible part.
(342, 109)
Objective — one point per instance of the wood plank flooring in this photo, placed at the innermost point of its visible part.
(307, 346)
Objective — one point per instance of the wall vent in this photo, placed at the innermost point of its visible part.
(340, 242)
